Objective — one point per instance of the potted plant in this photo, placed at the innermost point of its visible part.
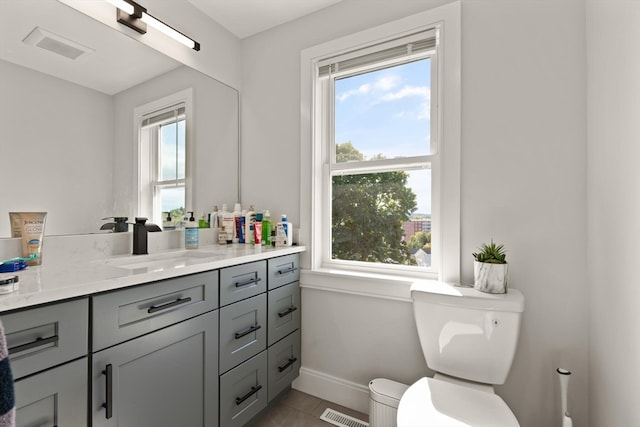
(490, 269)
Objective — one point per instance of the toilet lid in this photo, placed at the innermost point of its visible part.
(431, 402)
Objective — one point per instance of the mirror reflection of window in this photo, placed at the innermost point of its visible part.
(163, 160)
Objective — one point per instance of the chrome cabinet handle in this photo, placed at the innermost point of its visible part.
(253, 391)
(290, 362)
(160, 307)
(287, 311)
(253, 328)
(108, 405)
(248, 282)
(39, 342)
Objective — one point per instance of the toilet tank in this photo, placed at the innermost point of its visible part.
(465, 333)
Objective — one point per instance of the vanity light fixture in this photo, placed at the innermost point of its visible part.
(134, 16)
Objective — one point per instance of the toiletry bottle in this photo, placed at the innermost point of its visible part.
(241, 227)
(228, 223)
(257, 229)
(168, 223)
(237, 213)
(202, 222)
(249, 219)
(266, 228)
(214, 218)
(283, 232)
(191, 233)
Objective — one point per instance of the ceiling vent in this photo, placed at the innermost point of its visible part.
(56, 44)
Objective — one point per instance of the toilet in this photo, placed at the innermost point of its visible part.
(469, 339)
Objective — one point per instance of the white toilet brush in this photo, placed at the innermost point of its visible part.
(564, 385)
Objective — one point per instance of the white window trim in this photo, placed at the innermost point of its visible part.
(140, 195)
(311, 234)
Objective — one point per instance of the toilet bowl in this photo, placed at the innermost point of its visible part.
(469, 339)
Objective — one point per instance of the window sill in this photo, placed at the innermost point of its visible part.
(372, 285)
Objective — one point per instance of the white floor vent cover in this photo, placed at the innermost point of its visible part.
(341, 420)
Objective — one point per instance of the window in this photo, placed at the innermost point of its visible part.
(163, 161)
(382, 127)
(379, 134)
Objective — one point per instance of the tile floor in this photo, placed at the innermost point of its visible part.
(297, 409)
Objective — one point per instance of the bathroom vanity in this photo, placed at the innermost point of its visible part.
(197, 338)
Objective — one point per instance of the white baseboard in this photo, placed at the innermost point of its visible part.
(337, 390)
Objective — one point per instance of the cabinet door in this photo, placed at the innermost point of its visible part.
(284, 311)
(243, 331)
(243, 391)
(57, 397)
(165, 379)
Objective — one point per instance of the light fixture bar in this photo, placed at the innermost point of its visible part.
(134, 16)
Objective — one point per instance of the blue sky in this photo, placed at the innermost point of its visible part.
(387, 112)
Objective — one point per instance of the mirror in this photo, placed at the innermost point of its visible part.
(67, 140)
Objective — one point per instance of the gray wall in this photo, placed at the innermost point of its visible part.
(614, 208)
(524, 126)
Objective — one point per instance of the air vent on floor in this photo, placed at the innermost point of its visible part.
(341, 420)
(57, 44)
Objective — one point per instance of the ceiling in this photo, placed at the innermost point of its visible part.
(245, 18)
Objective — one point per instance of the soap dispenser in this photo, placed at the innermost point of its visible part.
(191, 233)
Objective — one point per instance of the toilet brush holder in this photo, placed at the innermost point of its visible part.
(564, 376)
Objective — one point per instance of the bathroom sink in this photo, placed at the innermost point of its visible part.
(161, 261)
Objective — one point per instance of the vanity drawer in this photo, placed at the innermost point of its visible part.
(42, 337)
(121, 315)
(242, 281)
(284, 363)
(243, 391)
(283, 270)
(283, 306)
(243, 331)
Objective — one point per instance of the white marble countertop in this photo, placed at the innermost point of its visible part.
(52, 282)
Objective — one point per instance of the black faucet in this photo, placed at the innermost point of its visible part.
(120, 225)
(140, 237)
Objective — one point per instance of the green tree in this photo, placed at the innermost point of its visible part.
(368, 211)
(421, 240)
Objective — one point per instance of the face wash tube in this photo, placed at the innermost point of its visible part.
(32, 224)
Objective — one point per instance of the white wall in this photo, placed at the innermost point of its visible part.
(523, 94)
(614, 208)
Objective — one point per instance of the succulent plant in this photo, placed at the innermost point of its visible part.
(491, 253)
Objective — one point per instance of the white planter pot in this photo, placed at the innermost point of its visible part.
(491, 278)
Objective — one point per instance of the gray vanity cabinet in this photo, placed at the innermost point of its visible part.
(155, 354)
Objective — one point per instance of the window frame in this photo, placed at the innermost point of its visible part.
(314, 193)
(147, 157)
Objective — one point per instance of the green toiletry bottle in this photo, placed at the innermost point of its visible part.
(266, 229)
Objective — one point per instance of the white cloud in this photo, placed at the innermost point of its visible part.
(362, 90)
(406, 91)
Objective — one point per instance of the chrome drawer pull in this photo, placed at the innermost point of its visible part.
(290, 362)
(179, 301)
(39, 342)
(108, 405)
(253, 391)
(253, 328)
(248, 282)
(287, 311)
(288, 270)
